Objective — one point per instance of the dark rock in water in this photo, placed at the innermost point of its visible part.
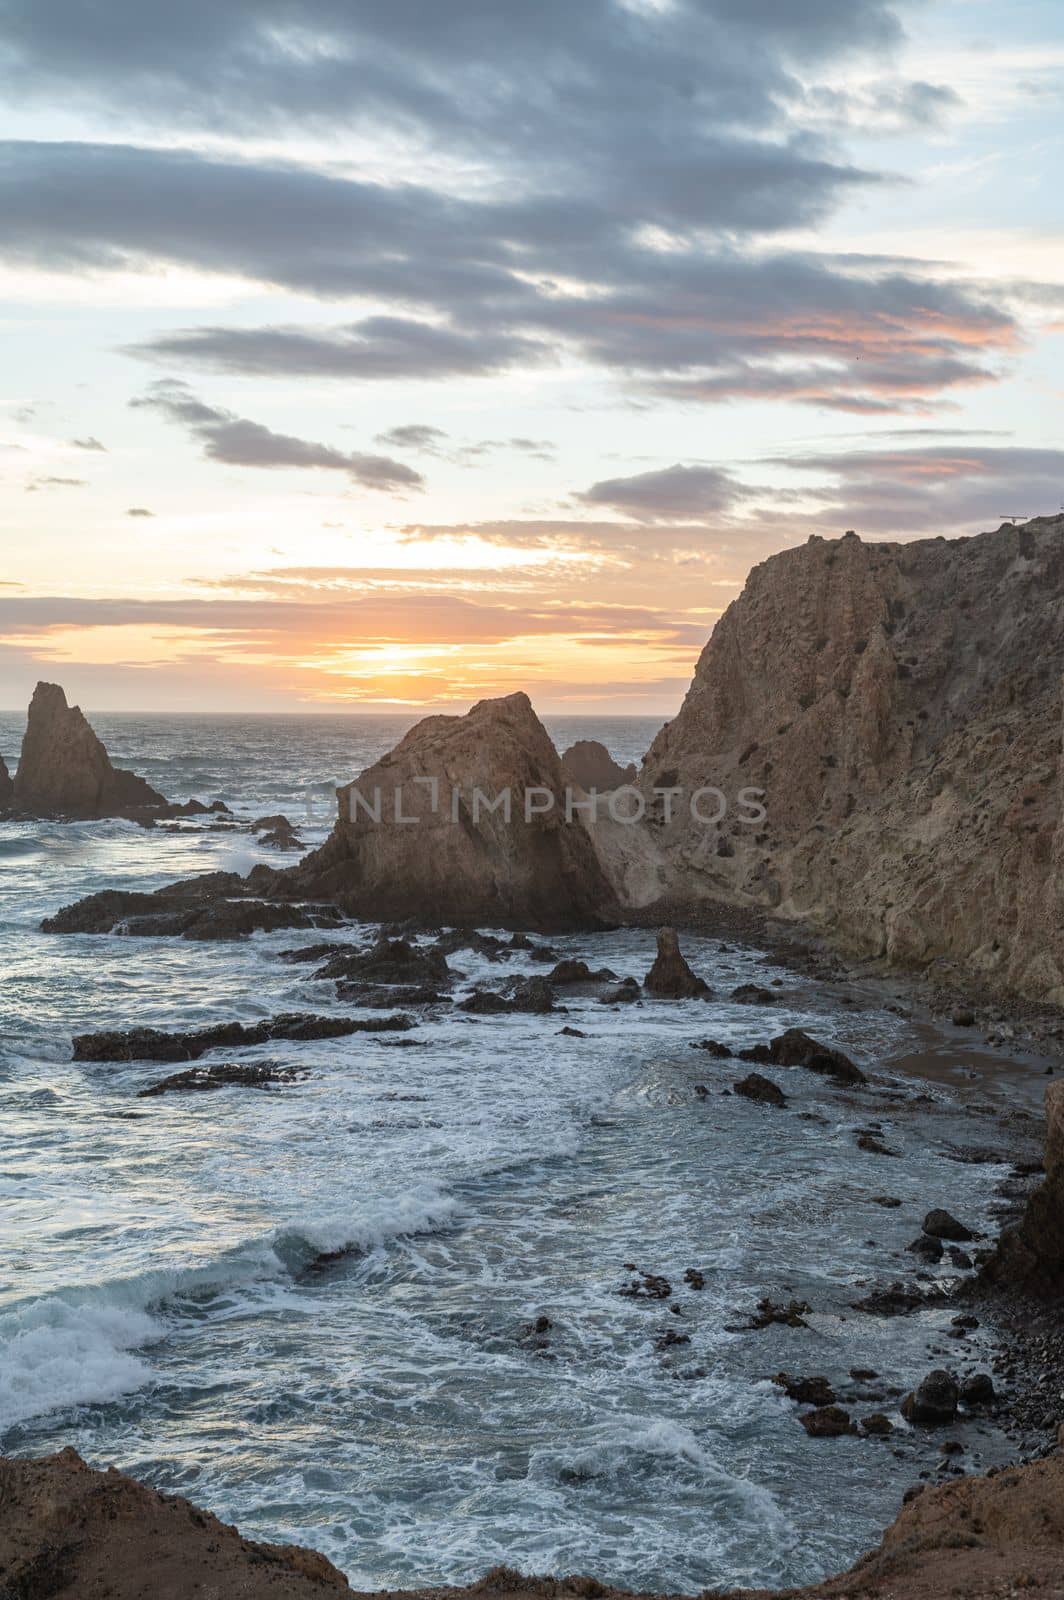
(895, 1301)
(872, 1144)
(152, 1044)
(877, 1425)
(249, 1075)
(960, 1258)
(978, 1390)
(462, 824)
(889, 1202)
(807, 1391)
(572, 1033)
(963, 1018)
(763, 1090)
(753, 994)
(533, 995)
(796, 1048)
(694, 1279)
(314, 952)
(389, 961)
(7, 787)
(382, 997)
(166, 914)
(927, 1248)
(670, 1338)
(64, 768)
(625, 994)
(588, 765)
(941, 1225)
(484, 1003)
(275, 824)
(791, 1314)
(670, 977)
(281, 839)
(827, 1422)
(567, 972)
(646, 1286)
(933, 1402)
(712, 1047)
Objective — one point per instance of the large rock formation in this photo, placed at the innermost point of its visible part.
(588, 765)
(7, 787)
(69, 1532)
(898, 706)
(463, 823)
(64, 768)
(1031, 1256)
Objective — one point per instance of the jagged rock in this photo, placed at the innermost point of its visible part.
(389, 961)
(65, 769)
(7, 787)
(898, 707)
(807, 1391)
(670, 978)
(791, 1314)
(533, 995)
(438, 853)
(796, 1048)
(877, 1425)
(152, 1044)
(588, 765)
(1031, 1256)
(763, 1090)
(626, 993)
(250, 1075)
(933, 1402)
(827, 1422)
(753, 994)
(164, 913)
(941, 1225)
(567, 972)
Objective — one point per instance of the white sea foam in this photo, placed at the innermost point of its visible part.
(55, 1354)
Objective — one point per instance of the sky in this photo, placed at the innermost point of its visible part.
(384, 354)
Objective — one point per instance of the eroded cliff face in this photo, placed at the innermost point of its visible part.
(1031, 1256)
(900, 707)
(435, 853)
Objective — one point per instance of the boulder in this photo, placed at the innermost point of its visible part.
(763, 1090)
(933, 1402)
(64, 768)
(670, 978)
(464, 823)
(588, 765)
(977, 1391)
(827, 1422)
(1031, 1256)
(941, 1225)
(807, 1391)
(796, 1048)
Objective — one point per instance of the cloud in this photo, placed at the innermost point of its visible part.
(51, 482)
(670, 494)
(90, 443)
(239, 442)
(139, 511)
(414, 436)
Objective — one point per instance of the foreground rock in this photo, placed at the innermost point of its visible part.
(463, 823)
(69, 1532)
(898, 706)
(796, 1048)
(65, 769)
(152, 1044)
(670, 977)
(588, 765)
(1031, 1256)
(165, 913)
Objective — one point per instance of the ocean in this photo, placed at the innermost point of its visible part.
(164, 1301)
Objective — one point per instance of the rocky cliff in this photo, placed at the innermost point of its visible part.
(7, 788)
(900, 707)
(65, 769)
(438, 830)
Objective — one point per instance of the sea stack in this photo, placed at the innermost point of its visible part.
(588, 765)
(64, 769)
(464, 823)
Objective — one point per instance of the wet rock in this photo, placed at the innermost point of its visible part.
(7, 787)
(588, 765)
(569, 972)
(536, 1335)
(933, 1403)
(389, 961)
(646, 1285)
(694, 1279)
(762, 1090)
(753, 994)
(960, 1258)
(670, 978)
(791, 1313)
(941, 1225)
(827, 1422)
(877, 1425)
(712, 1047)
(863, 1374)
(894, 1301)
(65, 770)
(889, 1202)
(978, 1391)
(484, 1003)
(374, 997)
(807, 1391)
(963, 1018)
(625, 994)
(572, 1033)
(166, 914)
(248, 1075)
(796, 1048)
(872, 1145)
(928, 1249)
(152, 1044)
(670, 1338)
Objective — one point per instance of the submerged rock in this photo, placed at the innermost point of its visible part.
(670, 978)
(463, 823)
(153, 1044)
(64, 768)
(229, 1074)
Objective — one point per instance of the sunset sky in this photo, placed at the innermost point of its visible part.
(364, 354)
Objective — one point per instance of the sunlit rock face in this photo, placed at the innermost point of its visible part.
(64, 768)
(464, 822)
(898, 708)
